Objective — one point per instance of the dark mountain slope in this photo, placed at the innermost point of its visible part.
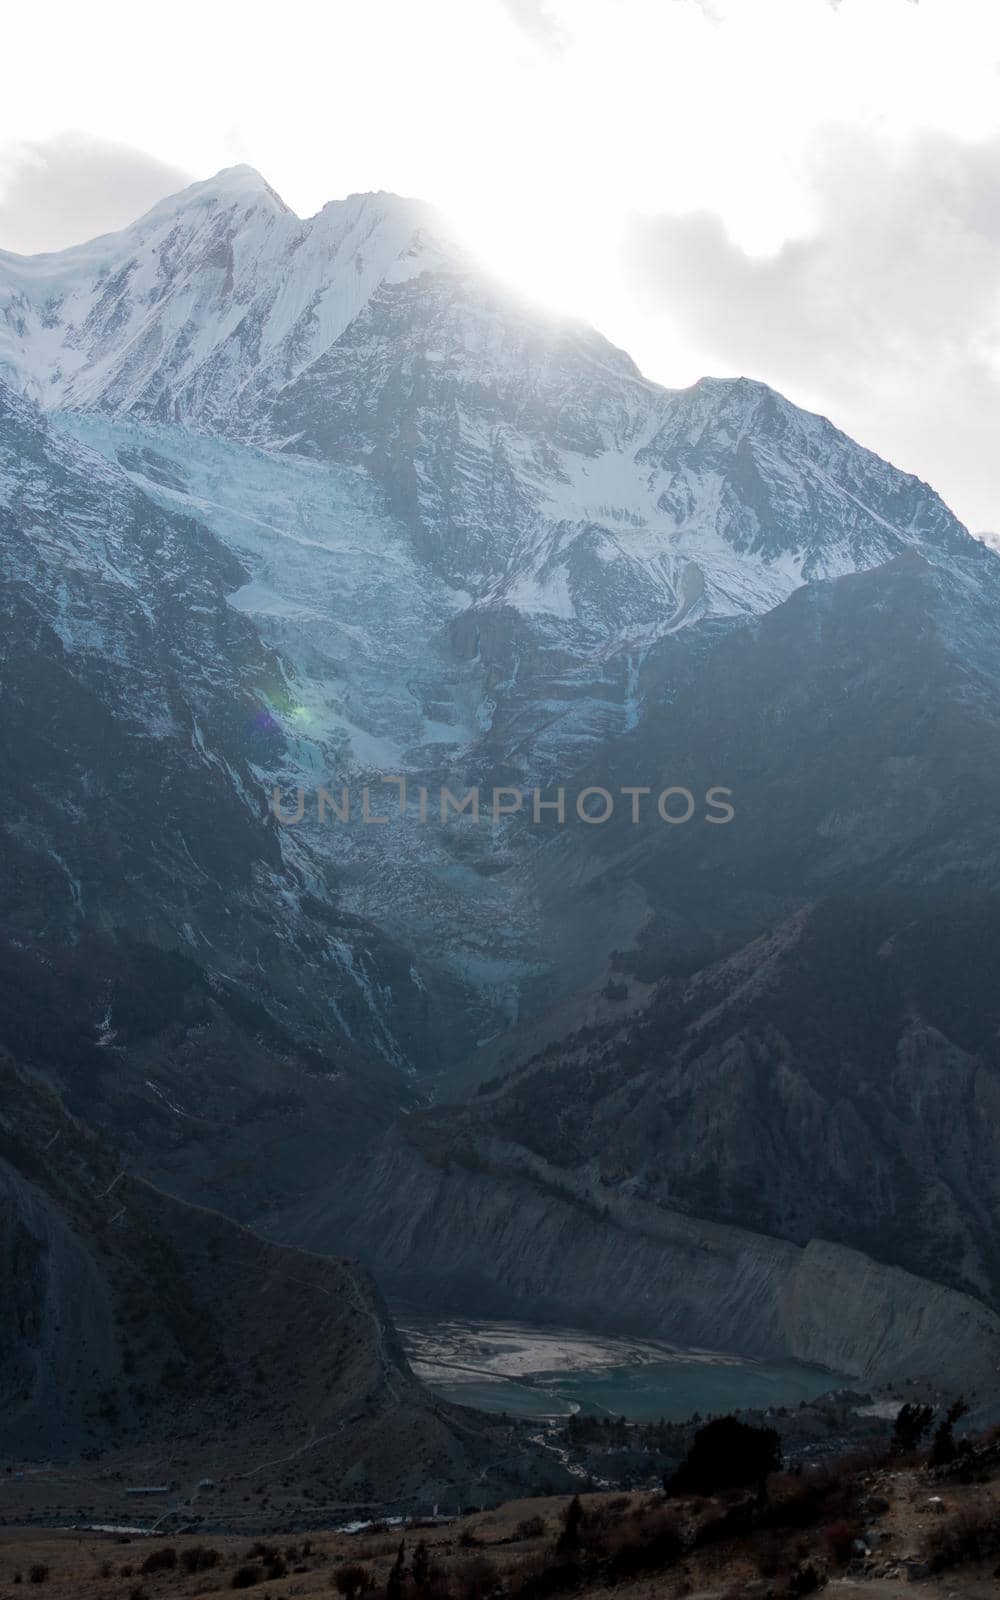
(829, 1070)
(732, 1169)
(193, 958)
(133, 1322)
(838, 1078)
(857, 728)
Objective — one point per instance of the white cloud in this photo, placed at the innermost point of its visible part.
(537, 21)
(829, 169)
(887, 315)
(54, 192)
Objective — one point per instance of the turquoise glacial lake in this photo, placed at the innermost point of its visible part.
(549, 1372)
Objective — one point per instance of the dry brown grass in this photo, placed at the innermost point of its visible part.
(971, 1533)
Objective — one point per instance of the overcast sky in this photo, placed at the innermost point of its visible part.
(807, 191)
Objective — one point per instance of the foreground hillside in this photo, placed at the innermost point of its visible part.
(866, 1529)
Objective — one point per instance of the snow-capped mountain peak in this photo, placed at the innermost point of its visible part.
(240, 185)
(538, 471)
(174, 316)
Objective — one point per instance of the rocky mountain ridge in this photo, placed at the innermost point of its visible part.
(528, 453)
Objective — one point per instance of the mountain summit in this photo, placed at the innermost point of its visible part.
(532, 459)
(172, 317)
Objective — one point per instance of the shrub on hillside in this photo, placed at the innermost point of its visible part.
(647, 1542)
(160, 1560)
(838, 1539)
(199, 1558)
(477, 1579)
(912, 1423)
(531, 1528)
(969, 1534)
(351, 1579)
(568, 1542)
(727, 1454)
(943, 1446)
(801, 1500)
(804, 1580)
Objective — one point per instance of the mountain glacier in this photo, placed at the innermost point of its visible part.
(552, 516)
(288, 503)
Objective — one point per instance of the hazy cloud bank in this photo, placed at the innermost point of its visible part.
(56, 192)
(887, 315)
